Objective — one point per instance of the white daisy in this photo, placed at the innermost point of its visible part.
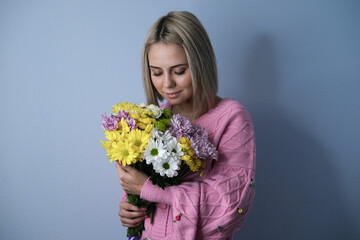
(166, 136)
(168, 166)
(155, 133)
(155, 151)
(174, 147)
(163, 136)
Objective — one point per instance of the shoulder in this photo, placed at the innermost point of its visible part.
(236, 109)
(227, 117)
(228, 110)
(232, 118)
(234, 136)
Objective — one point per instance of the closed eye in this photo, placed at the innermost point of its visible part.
(181, 72)
(156, 74)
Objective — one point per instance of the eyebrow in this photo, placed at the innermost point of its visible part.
(175, 66)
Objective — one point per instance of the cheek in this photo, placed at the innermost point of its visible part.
(187, 83)
(157, 85)
(185, 80)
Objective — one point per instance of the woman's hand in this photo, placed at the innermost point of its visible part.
(130, 215)
(131, 179)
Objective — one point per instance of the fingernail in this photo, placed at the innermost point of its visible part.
(143, 209)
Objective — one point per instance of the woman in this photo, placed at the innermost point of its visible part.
(179, 65)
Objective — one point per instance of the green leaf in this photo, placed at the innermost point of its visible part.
(160, 125)
(167, 113)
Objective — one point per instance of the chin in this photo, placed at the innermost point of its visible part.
(173, 101)
(177, 101)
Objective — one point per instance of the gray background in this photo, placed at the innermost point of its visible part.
(294, 64)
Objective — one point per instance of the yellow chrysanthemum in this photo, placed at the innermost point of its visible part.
(149, 128)
(135, 116)
(126, 106)
(139, 139)
(125, 153)
(198, 162)
(123, 127)
(191, 152)
(194, 164)
(147, 120)
(186, 158)
(113, 136)
(143, 120)
(105, 144)
(185, 144)
(147, 112)
(183, 140)
(141, 126)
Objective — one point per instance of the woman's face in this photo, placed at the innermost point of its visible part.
(170, 73)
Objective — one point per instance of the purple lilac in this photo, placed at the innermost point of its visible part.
(200, 143)
(110, 123)
(129, 120)
(123, 114)
(182, 127)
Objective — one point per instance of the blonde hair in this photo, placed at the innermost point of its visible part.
(184, 29)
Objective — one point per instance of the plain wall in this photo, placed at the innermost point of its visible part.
(295, 65)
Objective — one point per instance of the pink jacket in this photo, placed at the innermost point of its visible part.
(215, 205)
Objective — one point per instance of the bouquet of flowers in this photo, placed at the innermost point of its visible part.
(166, 146)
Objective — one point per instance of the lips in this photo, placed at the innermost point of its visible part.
(173, 95)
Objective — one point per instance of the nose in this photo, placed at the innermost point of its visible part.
(168, 81)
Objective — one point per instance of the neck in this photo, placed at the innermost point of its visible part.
(184, 109)
(187, 110)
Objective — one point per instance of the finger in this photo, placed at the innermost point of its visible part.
(126, 168)
(126, 222)
(131, 215)
(119, 169)
(129, 207)
(122, 174)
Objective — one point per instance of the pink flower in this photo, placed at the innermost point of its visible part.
(178, 217)
(129, 120)
(109, 123)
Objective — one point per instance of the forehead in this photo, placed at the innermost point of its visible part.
(166, 55)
